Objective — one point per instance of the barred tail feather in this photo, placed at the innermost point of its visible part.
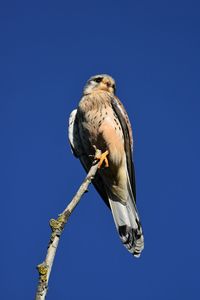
(128, 225)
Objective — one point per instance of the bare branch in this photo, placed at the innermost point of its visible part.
(57, 226)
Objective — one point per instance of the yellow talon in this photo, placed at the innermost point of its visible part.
(103, 158)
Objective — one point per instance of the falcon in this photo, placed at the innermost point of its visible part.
(101, 122)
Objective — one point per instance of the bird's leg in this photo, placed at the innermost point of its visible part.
(103, 158)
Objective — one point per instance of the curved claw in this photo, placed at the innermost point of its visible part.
(103, 159)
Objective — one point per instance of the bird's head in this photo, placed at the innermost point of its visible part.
(101, 82)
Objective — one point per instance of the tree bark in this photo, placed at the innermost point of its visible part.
(57, 226)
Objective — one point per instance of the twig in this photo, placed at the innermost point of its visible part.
(57, 226)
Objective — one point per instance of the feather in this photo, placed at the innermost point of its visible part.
(127, 221)
(78, 151)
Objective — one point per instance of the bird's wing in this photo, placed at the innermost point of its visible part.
(128, 139)
(73, 134)
(126, 215)
(78, 151)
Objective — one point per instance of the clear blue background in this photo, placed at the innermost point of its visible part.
(48, 51)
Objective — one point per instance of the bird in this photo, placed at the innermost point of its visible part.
(101, 122)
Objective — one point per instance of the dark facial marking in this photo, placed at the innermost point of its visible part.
(98, 79)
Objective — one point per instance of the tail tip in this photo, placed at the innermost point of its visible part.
(132, 239)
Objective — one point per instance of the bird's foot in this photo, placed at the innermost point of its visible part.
(103, 159)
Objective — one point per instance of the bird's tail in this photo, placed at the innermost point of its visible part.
(127, 223)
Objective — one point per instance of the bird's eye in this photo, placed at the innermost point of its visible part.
(98, 79)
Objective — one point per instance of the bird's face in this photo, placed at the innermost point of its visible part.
(100, 83)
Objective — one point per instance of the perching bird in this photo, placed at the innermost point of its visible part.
(101, 121)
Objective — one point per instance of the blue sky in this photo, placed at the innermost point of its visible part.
(48, 51)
